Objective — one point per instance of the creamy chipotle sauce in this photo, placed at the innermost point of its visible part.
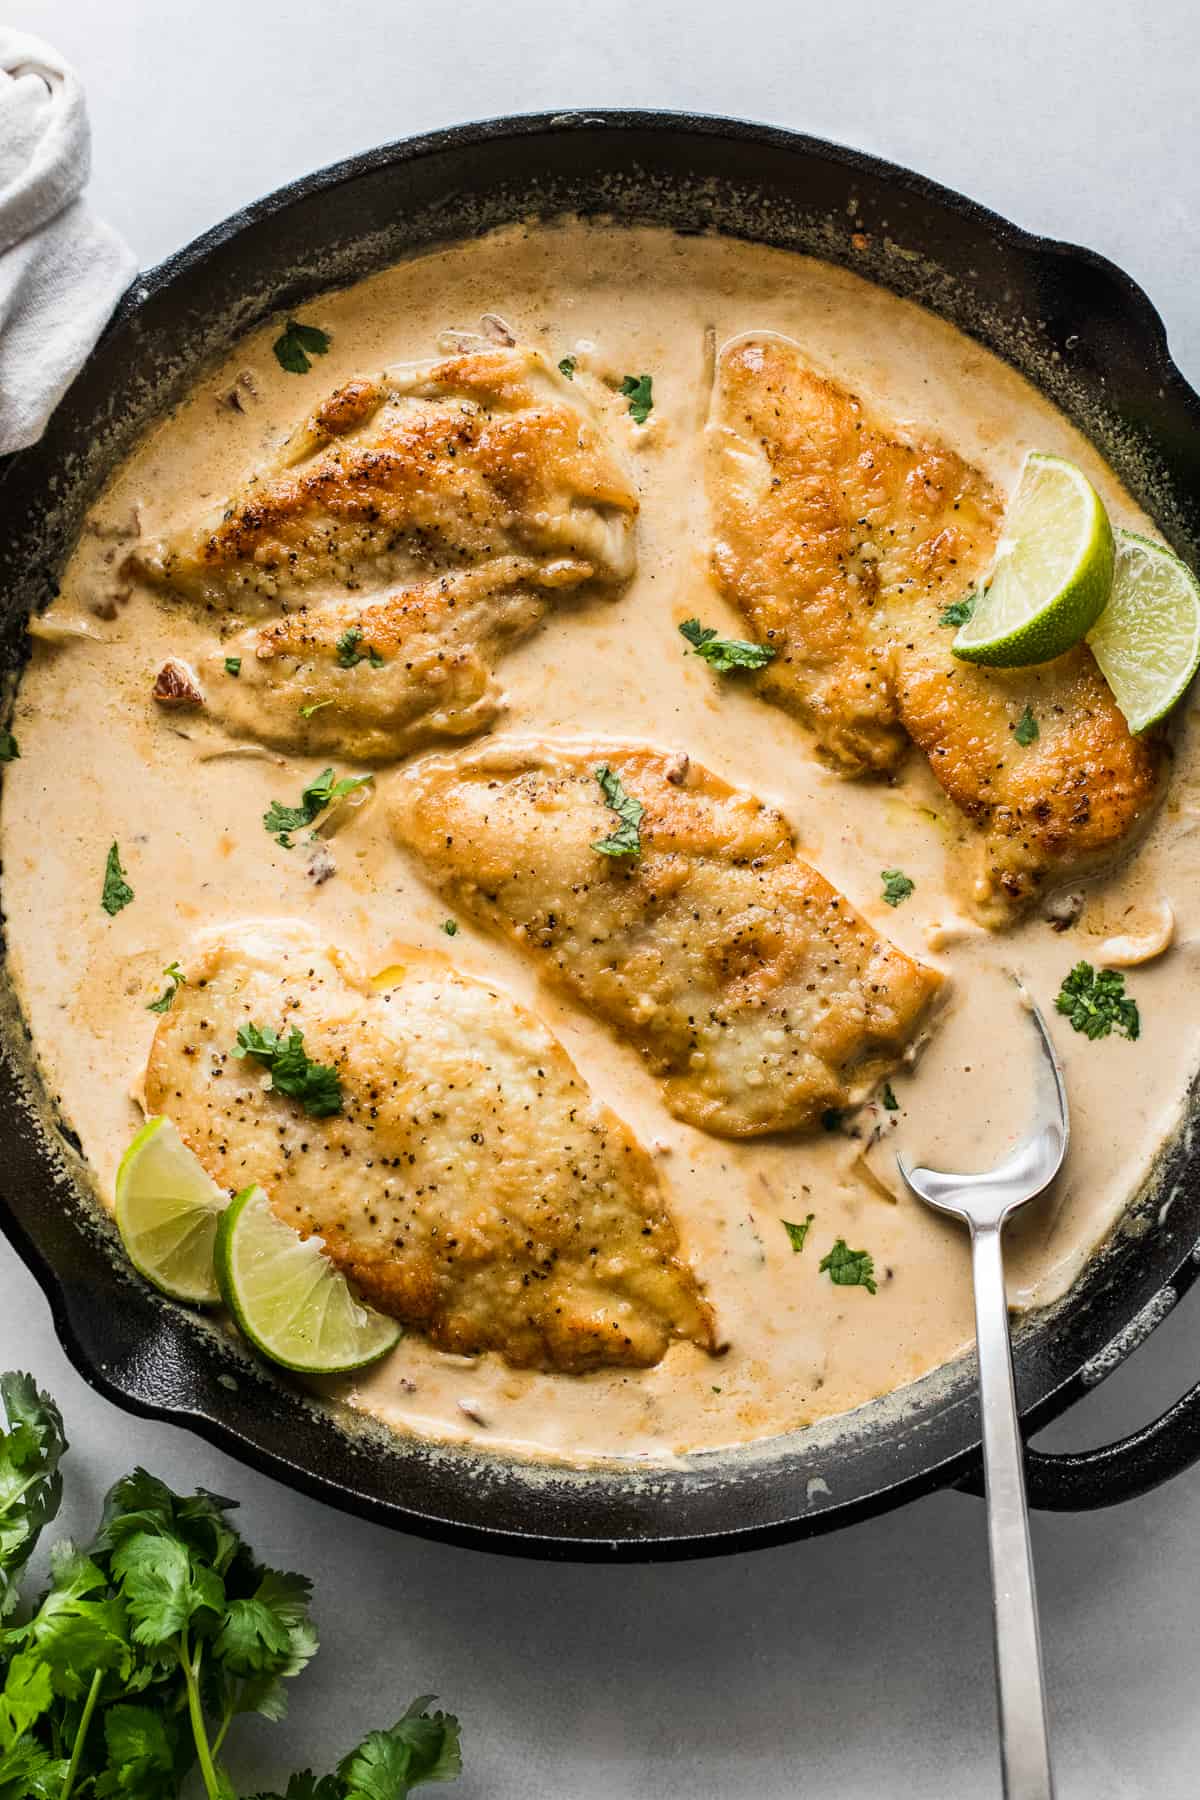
(101, 763)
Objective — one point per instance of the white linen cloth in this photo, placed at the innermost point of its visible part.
(61, 269)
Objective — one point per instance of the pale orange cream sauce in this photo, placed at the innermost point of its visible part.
(100, 763)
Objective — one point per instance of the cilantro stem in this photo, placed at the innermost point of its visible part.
(85, 1719)
(208, 1773)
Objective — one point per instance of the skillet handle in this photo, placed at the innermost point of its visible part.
(1084, 1480)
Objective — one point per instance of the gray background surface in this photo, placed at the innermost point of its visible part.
(857, 1665)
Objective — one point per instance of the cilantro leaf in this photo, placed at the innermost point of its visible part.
(1026, 729)
(849, 1268)
(177, 979)
(887, 1095)
(567, 367)
(1095, 1002)
(79, 1628)
(141, 1750)
(387, 1765)
(450, 927)
(959, 611)
(638, 390)
(30, 1483)
(725, 654)
(281, 820)
(797, 1233)
(626, 839)
(896, 886)
(233, 666)
(296, 344)
(316, 1085)
(350, 651)
(9, 750)
(314, 706)
(116, 892)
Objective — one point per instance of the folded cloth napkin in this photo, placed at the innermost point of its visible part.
(61, 270)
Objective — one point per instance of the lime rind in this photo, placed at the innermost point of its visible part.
(1053, 570)
(1147, 639)
(167, 1211)
(289, 1300)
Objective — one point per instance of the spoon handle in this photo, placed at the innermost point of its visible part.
(1024, 1743)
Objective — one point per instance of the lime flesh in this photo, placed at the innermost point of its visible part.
(290, 1301)
(168, 1211)
(1147, 639)
(1053, 570)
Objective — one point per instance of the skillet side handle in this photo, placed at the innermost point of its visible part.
(1085, 1480)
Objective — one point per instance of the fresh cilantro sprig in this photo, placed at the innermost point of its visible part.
(959, 611)
(725, 654)
(639, 391)
(9, 749)
(116, 893)
(897, 886)
(149, 1642)
(1095, 1002)
(317, 1086)
(849, 1268)
(176, 979)
(281, 821)
(626, 838)
(351, 650)
(296, 344)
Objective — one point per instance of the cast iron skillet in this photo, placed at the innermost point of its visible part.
(1072, 322)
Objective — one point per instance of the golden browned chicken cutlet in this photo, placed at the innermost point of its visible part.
(842, 540)
(743, 979)
(470, 1185)
(378, 681)
(426, 468)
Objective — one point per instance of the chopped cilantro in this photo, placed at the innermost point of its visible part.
(316, 1085)
(958, 611)
(450, 927)
(1026, 729)
(849, 1268)
(177, 979)
(296, 344)
(116, 892)
(1096, 1003)
(281, 820)
(637, 389)
(314, 706)
(567, 367)
(725, 654)
(797, 1233)
(233, 666)
(626, 840)
(9, 751)
(896, 886)
(888, 1098)
(351, 651)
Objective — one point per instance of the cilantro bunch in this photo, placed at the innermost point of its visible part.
(131, 1668)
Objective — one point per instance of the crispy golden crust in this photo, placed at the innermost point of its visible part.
(744, 980)
(430, 676)
(471, 1187)
(841, 543)
(426, 468)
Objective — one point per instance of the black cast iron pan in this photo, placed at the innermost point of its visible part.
(1078, 328)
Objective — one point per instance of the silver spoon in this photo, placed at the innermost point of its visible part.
(986, 1202)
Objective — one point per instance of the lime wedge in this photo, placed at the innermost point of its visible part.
(167, 1213)
(1053, 570)
(288, 1298)
(1147, 639)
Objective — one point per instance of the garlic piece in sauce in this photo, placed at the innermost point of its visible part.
(1128, 950)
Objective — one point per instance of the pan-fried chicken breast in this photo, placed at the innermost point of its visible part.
(379, 681)
(841, 540)
(744, 980)
(426, 468)
(470, 1186)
